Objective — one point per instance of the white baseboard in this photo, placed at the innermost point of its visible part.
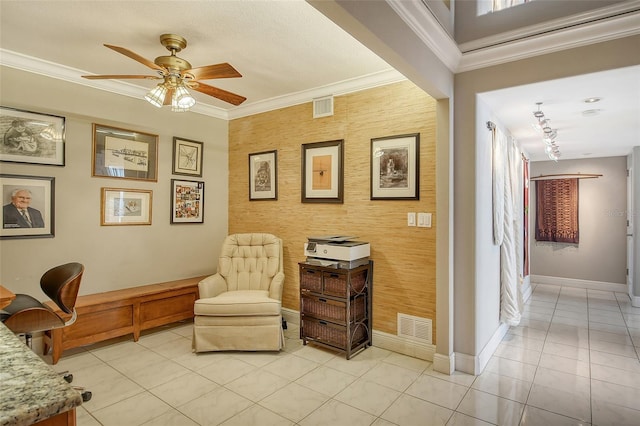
(570, 282)
(635, 301)
(475, 364)
(444, 364)
(527, 290)
(403, 345)
(382, 340)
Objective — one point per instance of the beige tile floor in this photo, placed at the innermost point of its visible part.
(572, 361)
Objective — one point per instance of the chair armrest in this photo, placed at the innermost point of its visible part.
(212, 286)
(277, 284)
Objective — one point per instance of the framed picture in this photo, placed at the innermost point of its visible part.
(187, 157)
(395, 167)
(121, 206)
(263, 176)
(323, 172)
(30, 137)
(187, 201)
(27, 206)
(126, 154)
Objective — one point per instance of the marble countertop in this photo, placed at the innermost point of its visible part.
(30, 390)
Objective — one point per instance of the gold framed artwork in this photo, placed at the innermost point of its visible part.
(187, 157)
(263, 176)
(31, 137)
(323, 172)
(121, 206)
(27, 206)
(395, 167)
(187, 201)
(125, 154)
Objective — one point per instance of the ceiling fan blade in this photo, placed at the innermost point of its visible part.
(229, 97)
(122, 77)
(223, 70)
(135, 57)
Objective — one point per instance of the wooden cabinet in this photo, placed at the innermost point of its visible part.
(335, 307)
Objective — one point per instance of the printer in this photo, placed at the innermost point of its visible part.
(336, 251)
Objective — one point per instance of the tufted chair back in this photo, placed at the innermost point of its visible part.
(250, 261)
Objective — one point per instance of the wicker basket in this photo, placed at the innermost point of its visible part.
(334, 310)
(310, 280)
(333, 334)
(338, 285)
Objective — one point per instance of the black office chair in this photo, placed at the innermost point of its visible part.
(27, 315)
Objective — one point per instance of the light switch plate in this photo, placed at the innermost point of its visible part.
(424, 220)
(411, 219)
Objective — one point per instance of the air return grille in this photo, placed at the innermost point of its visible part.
(415, 328)
(323, 107)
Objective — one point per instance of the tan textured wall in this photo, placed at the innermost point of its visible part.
(404, 269)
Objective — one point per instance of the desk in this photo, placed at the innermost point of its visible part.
(31, 391)
(6, 296)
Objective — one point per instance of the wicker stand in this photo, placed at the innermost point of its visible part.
(336, 308)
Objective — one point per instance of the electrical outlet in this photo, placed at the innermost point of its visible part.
(411, 219)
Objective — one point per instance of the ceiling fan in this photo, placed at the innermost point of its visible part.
(177, 75)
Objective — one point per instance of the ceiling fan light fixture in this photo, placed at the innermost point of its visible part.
(182, 99)
(156, 95)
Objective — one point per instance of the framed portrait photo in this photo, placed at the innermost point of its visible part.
(125, 154)
(187, 201)
(27, 206)
(31, 137)
(323, 172)
(187, 157)
(263, 176)
(395, 167)
(120, 206)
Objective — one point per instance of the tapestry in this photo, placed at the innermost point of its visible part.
(557, 210)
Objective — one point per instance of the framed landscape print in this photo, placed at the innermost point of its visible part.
(30, 137)
(125, 154)
(121, 206)
(27, 206)
(323, 172)
(187, 157)
(187, 201)
(263, 176)
(395, 164)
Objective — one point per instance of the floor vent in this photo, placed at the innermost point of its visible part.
(323, 107)
(415, 328)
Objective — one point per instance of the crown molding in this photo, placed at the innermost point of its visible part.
(61, 72)
(582, 35)
(422, 22)
(381, 78)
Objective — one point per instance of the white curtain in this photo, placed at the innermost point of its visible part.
(507, 224)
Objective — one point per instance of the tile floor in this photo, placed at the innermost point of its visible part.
(572, 361)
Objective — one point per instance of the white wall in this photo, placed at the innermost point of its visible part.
(602, 252)
(114, 256)
(636, 226)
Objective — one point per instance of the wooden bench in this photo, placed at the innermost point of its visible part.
(103, 316)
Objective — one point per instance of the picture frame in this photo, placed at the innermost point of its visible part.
(124, 154)
(31, 137)
(36, 195)
(395, 167)
(187, 201)
(187, 157)
(323, 172)
(263, 176)
(124, 206)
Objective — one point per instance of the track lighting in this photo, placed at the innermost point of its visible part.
(548, 134)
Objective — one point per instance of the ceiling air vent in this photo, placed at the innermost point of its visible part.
(323, 107)
(415, 328)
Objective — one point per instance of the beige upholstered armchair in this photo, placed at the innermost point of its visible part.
(239, 306)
